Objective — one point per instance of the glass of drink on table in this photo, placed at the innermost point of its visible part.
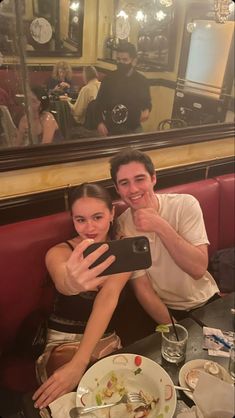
(174, 343)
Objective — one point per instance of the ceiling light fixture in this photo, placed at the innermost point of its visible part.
(222, 10)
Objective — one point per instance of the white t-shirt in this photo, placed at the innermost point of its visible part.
(86, 95)
(177, 289)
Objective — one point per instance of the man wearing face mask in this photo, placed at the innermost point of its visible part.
(123, 101)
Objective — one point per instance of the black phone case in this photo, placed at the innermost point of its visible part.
(131, 254)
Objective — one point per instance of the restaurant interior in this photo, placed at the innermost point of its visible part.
(185, 50)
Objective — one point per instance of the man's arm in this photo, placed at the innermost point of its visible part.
(101, 100)
(193, 259)
(80, 106)
(144, 115)
(150, 300)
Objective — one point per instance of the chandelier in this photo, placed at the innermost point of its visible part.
(222, 10)
(143, 10)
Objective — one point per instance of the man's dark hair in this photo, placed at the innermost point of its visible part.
(128, 48)
(126, 156)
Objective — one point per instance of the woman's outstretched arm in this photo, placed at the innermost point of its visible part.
(67, 377)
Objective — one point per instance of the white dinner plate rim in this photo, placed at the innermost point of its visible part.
(194, 364)
(130, 356)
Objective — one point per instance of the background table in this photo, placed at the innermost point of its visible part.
(217, 314)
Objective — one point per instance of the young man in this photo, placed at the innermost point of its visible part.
(123, 100)
(178, 278)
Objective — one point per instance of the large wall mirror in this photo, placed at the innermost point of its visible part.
(185, 51)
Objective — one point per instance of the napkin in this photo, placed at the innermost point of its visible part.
(213, 398)
(60, 407)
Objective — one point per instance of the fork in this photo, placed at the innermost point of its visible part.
(126, 398)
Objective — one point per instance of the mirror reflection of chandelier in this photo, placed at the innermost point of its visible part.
(222, 10)
(144, 10)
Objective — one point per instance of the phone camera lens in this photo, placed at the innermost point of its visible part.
(140, 246)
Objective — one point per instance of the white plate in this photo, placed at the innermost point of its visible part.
(150, 378)
(199, 364)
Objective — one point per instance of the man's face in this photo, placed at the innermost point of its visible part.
(125, 63)
(135, 184)
(124, 58)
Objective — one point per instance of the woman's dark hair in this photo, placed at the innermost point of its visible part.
(42, 96)
(92, 190)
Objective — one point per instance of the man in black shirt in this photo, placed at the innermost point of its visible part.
(123, 100)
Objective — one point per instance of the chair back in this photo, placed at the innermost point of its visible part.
(8, 130)
(171, 124)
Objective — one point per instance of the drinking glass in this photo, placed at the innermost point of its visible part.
(173, 350)
(231, 366)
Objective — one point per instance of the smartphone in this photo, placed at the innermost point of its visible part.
(131, 254)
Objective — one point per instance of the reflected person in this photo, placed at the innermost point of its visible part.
(86, 95)
(61, 81)
(124, 100)
(45, 129)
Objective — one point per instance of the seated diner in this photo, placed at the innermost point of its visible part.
(45, 129)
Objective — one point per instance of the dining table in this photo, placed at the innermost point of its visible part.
(217, 314)
(150, 347)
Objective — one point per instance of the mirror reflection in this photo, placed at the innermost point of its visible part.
(70, 70)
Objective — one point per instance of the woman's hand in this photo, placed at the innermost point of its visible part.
(80, 277)
(62, 381)
(64, 85)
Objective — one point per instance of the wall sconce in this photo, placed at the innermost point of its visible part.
(222, 10)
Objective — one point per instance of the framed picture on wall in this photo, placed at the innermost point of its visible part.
(7, 7)
(42, 8)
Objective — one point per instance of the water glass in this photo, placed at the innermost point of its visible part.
(231, 366)
(173, 350)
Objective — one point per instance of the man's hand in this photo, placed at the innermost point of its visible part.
(147, 218)
(102, 129)
(144, 115)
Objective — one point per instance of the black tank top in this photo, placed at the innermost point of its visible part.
(76, 308)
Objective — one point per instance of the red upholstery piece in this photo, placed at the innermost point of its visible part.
(207, 193)
(23, 246)
(18, 373)
(226, 211)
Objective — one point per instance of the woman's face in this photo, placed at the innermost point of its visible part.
(91, 218)
(61, 74)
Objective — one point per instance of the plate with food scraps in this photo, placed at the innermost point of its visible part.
(191, 371)
(111, 377)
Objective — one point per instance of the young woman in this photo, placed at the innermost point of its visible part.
(83, 317)
(44, 126)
